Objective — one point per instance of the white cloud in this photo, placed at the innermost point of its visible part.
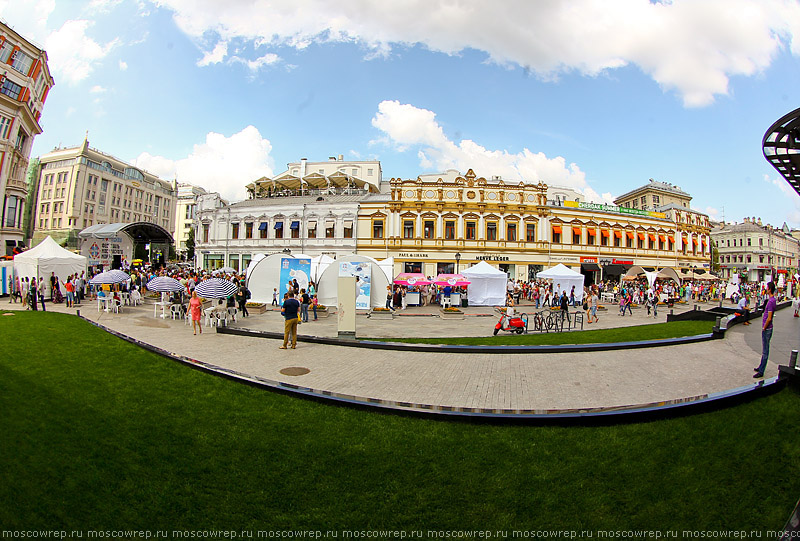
(406, 126)
(97, 89)
(691, 46)
(29, 18)
(255, 65)
(220, 164)
(74, 55)
(123, 65)
(215, 56)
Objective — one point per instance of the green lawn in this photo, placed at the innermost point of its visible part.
(98, 434)
(600, 336)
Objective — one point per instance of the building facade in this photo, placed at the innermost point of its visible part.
(653, 196)
(185, 215)
(25, 81)
(754, 250)
(447, 224)
(81, 186)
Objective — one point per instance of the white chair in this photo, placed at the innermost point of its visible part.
(175, 311)
(116, 306)
(232, 311)
(136, 298)
(222, 319)
(446, 301)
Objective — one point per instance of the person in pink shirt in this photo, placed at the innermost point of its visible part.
(196, 311)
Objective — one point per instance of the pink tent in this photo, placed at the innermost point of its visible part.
(451, 280)
(411, 279)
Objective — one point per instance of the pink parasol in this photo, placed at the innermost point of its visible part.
(411, 279)
(451, 280)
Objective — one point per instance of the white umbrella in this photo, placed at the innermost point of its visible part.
(110, 277)
(227, 270)
(163, 284)
(215, 288)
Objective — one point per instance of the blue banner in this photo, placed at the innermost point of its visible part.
(363, 272)
(294, 269)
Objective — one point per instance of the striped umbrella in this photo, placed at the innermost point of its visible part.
(215, 288)
(110, 277)
(162, 284)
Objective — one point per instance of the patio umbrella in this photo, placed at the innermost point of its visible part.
(215, 288)
(164, 284)
(451, 280)
(110, 277)
(227, 270)
(411, 279)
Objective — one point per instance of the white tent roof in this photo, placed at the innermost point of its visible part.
(483, 270)
(46, 258)
(559, 271)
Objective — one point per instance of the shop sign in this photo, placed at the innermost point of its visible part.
(409, 255)
(589, 260)
(612, 208)
(565, 259)
(622, 262)
(491, 257)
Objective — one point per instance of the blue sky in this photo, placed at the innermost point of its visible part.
(596, 95)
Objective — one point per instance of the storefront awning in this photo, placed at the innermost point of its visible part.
(262, 226)
(576, 230)
(311, 224)
(590, 266)
(557, 229)
(592, 232)
(295, 225)
(629, 234)
(652, 237)
(694, 241)
(278, 225)
(605, 233)
(641, 236)
(348, 224)
(662, 238)
(671, 239)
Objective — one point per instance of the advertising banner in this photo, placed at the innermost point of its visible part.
(295, 269)
(363, 272)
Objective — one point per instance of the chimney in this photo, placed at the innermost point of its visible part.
(303, 163)
(341, 157)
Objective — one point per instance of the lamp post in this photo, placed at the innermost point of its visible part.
(458, 258)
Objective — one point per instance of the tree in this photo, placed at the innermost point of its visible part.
(190, 245)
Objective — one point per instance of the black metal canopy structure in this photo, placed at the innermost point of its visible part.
(781, 147)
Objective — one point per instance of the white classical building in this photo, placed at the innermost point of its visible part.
(185, 215)
(754, 250)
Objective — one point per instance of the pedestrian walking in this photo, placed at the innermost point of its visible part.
(766, 329)
(196, 311)
(290, 310)
(305, 300)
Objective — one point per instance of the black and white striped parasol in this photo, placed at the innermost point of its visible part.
(110, 277)
(215, 288)
(164, 284)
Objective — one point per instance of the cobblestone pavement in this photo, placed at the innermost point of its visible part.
(492, 381)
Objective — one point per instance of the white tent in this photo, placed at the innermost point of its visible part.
(387, 266)
(319, 264)
(328, 282)
(265, 277)
(563, 279)
(487, 285)
(46, 258)
(253, 263)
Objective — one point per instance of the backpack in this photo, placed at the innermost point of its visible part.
(246, 293)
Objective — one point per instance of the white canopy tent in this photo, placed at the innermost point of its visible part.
(253, 263)
(328, 282)
(319, 264)
(564, 279)
(264, 277)
(46, 258)
(487, 285)
(387, 266)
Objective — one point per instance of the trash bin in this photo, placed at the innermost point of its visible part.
(464, 302)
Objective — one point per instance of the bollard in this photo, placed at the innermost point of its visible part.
(671, 311)
(793, 359)
(78, 312)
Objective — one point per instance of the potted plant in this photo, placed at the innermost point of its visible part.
(379, 312)
(256, 307)
(451, 312)
(322, 311)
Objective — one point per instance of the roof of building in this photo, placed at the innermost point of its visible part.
(655, 185)
(138, 231)
(298, 200)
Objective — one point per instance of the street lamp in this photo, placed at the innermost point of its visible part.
(458, 258)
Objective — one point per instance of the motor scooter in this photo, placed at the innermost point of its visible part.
(517, 324)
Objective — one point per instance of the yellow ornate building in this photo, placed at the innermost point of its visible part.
(447, 223)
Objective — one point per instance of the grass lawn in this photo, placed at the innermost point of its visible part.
(600, 336)
(98, 434)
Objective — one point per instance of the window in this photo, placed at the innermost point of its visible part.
(234, 231)
(10, 89)
(408, 229)
(556, 234)
(470, 231)
(377, 229)
(295, 229)
(248, 230)
(644, 201)
(511, 232)
(576, 236)
(617, 239)
(370, 172)
(428, 229)
(348, 229)
(278, 230)
(311, 229)
(491, 230)
(656, 200)
(11, 211)
(5, 126)
(530, 232)
(6, 50)
(329, 229)
(21, 62)
(450, 230)
(748, 241)
(205, 232)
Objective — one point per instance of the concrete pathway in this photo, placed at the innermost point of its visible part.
(535, 382)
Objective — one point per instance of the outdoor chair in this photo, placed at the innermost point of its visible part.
(222, 318)
(175, 311)
(232, 314)
(116, 306)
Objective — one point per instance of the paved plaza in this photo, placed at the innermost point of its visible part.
(541, 381)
